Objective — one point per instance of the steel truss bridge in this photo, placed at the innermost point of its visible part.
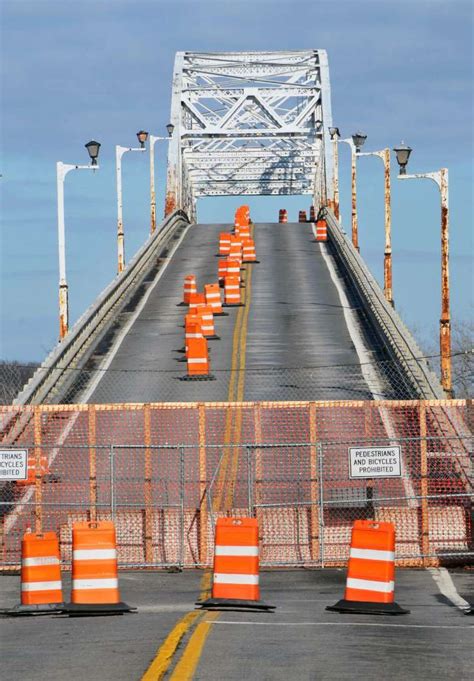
(253, 123)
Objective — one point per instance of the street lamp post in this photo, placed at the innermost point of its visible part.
(440, 178)
(153, 140)
(62, 169)
(119, 152)
(384, 154)
(355, 142)
(335, 134)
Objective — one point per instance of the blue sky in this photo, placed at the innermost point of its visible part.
(72, 71)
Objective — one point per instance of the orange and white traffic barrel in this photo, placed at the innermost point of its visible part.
(221, 270)
(321, 230)
(312, 214)
(197, 299)
(233, 268)
(370, 583)
(283, 215)
(224, 243)
(302, 216)
(192, 329)
(248, 251)
(236, 250)
(232, 291)
(206, 317)
(236, 576)
(95, 587)
(199, 366)
(189, 288)
(213, 298)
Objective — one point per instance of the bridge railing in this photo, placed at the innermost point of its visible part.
(51, 380)
(395, 336)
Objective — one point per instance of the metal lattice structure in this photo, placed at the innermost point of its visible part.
(249, 123)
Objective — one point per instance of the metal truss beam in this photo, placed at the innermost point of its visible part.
(249, 123)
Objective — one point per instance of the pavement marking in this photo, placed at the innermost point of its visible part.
(86, 395)
(445, 584)
(184, 670)
(348, 624)
(166, 651)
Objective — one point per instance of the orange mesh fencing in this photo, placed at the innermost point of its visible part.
(165, 472)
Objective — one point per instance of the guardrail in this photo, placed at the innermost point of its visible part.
(397, 339)
(52, 378)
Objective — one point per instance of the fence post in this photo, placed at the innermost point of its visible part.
(202, 485)
(369, 487)
(181, 492)
(321, 501)
(425, 534)
(258, 471)
(91, 414)
(38, 477)
(250, 482)
(148, 490)
(313, 476)
(112, 482)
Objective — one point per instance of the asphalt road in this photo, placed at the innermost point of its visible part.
(300, 640)
(296, 322)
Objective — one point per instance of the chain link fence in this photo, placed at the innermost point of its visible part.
(372, 380)
(165, 472)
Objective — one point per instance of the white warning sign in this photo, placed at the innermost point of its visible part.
(375, 462)
(13, 464)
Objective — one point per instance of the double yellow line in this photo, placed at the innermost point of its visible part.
(202, 621)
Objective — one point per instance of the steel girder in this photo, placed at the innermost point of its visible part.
(249, 123)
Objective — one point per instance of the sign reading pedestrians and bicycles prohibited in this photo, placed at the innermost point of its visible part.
(13, 464)
(375, 462)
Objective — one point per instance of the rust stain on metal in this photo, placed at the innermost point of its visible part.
(170, 203)
(355, 235)
(388, 230)
(445, 321)
(63, 311)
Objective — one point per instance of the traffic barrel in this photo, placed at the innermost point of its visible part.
(189, 288)
(370, 583)
(224, 243)
(302, 216)
(204, 313)
(283, 215)
(197, 299)
(232, 291)
(192, 329)
(235, 252)
(213, 299)
(221, 270)
(321, 230)
(249, 254)
(233, 268)
(312, 214)
(235, 582)
(199, 366)
(95, 588)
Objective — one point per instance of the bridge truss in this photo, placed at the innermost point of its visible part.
(249, 123)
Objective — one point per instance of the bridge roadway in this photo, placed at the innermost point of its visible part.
(295, 321)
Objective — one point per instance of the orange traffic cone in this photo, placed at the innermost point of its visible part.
(370, 584)
(95, 589)
(41, 589)
(235, 581)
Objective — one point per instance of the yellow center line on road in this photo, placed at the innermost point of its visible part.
(164, 655)
(184, 670)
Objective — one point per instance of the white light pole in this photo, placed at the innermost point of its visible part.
(119, 152)
(440, 178)
(62, 169)
(355, 142)
(384, 155)
(153, 140)
(335, 134)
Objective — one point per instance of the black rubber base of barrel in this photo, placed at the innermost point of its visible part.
(234, 604)
(233, 305)
(367, 608)
(209, 377)
(214, 337)
(221, 314)
(251, 262)
(23, 610)
(95, 610)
